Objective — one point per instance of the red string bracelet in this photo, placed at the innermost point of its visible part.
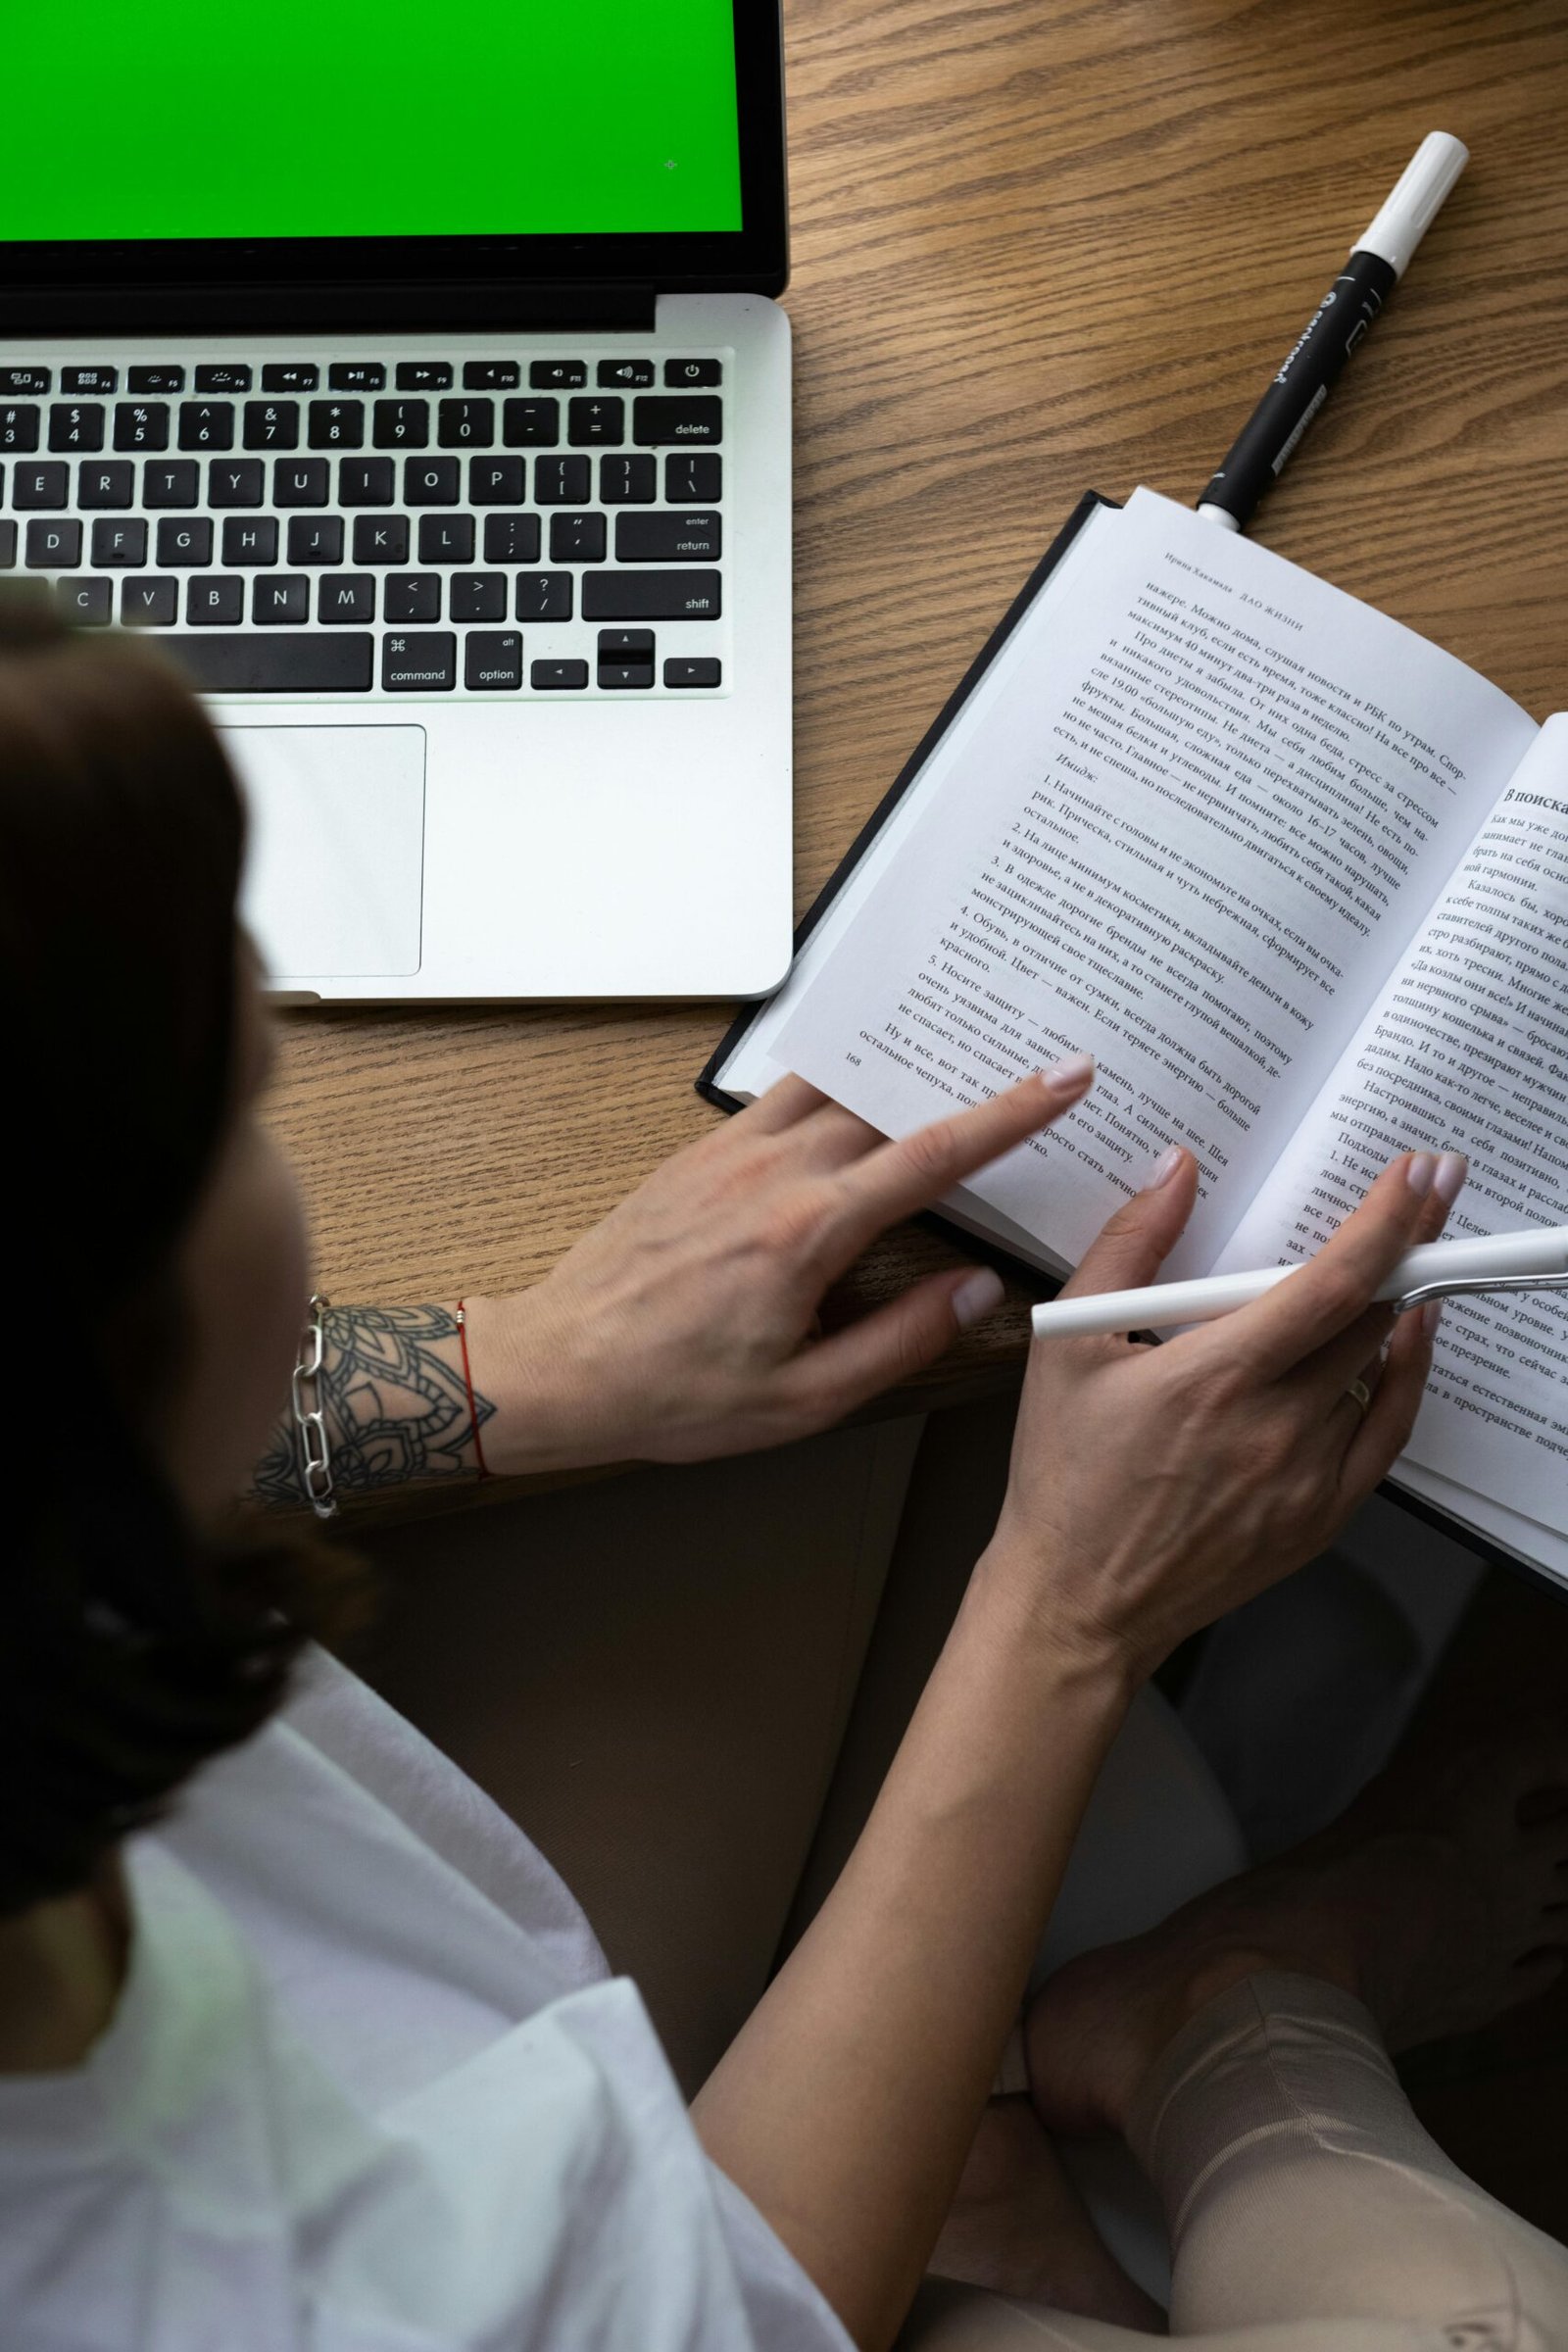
(468, 1381)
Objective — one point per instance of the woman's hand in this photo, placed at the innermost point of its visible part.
(1153, 1489)
(685, 1325)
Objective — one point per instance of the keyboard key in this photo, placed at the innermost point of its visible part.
(550, 677)
(651, 595)
(691, 481)
(561, 482)
(182, 540)
(557, 375)
(422, 376)
(355, 375)
(271, 424)
(8, 542)
(691, 669)
(492, 660)
(215, 604)
(279, 600)
(625, 645)
(494, 481)
(576, 538)
(19, 427)
(46, 486)
(401, 423)
(596, 423)
(491, 375)
(530, 423)
(446, 539)
(412, 596)
(477, 596)
(155, 379)
(24, 383)
(248, 542)
(223, 376)
(141, 425)
(466, 424)
(88, 384)
(544, 596)
(172, 482)
(251, 664)
(315, 539)
(656, 420)
(628, 482)
(206, 425)
(90, 604)
(669, 538)
(53, 546)
(364, 482)
(78, 426)
(110, 484)
(336, 423)
(120, 546)
(693, 372)
(349, 597)
(290, 376)
(380, 539)
(235, 482)
(149, 603)
(624, 375)
(512, 538)
(427, 664)
(300, 482)
(613, 676)
(431, 481)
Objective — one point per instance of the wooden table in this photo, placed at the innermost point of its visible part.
(1038, 247)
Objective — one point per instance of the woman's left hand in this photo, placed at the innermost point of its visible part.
(685, 1325)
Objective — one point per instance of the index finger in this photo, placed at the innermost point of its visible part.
(902, 1177)
(1327, 1294)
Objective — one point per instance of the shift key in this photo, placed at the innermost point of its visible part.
(651, 595)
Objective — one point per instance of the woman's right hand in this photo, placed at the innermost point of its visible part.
(1153, 1489)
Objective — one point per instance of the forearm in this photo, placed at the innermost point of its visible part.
(847, 2104)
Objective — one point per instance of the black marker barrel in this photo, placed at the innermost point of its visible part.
(1302, 385)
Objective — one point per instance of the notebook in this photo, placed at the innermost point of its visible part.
(1297, 877)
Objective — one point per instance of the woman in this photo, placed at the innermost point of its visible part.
(322, 2053)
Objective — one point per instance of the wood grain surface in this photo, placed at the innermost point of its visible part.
(1038, 248)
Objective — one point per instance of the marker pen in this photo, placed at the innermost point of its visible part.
(1376, 265)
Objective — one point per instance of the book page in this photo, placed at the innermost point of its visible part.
(1467, 1049)
(1204, 813)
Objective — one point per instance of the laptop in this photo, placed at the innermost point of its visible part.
(421, 392)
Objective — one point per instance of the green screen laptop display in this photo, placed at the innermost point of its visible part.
(370, 118)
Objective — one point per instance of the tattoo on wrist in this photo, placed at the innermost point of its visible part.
(396, 1406)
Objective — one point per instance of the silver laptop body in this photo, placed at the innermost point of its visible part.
(478, 547)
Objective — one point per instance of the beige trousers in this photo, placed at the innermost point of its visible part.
(686, 1685)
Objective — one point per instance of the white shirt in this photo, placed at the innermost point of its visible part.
(370, 2087)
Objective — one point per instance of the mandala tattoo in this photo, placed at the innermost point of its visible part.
(396, 1405)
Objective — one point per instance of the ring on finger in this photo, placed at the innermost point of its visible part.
(1361, 1397)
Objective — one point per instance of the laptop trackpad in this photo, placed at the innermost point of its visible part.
(333, 873)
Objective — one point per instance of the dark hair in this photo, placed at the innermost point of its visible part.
(132, 1649)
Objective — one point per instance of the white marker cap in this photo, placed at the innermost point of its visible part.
(1416, 201)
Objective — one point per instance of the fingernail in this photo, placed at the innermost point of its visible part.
(1165, 1169)
(1453, 1169)
(1423, 1167)
(976, 1297)
(1071, 1075)
(1431, 1316)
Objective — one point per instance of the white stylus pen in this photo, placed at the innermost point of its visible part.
(1539, 1254)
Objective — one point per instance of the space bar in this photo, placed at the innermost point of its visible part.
(244, 665)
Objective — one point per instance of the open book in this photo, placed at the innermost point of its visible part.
(1299, 881)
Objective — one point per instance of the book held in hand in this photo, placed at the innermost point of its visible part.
(1296, 878)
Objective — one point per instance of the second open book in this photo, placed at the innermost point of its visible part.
(1299, 881)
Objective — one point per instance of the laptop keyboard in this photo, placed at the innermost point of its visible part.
(478, 528)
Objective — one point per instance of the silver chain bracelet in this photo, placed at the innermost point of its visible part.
(309, 1421)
